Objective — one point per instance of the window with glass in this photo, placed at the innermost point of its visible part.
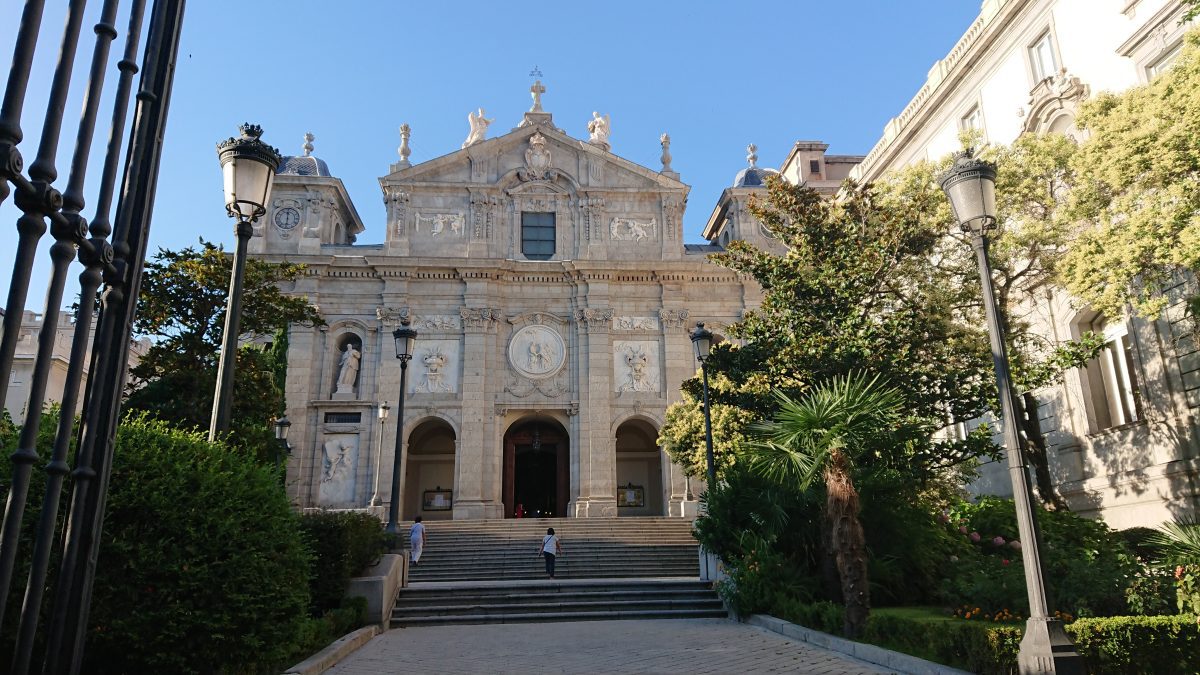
(1163, 62)
(973, 120)
(1112, 378)
(1041, 57)
(537, 235)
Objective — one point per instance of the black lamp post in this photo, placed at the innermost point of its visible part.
(970, 185)
(282, 426)
(249, 167)
(383, 415)
(406, 339)
(702, 342)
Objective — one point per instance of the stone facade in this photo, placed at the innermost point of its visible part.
(1123, 433)
(552, 294)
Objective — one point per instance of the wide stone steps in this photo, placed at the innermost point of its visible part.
(522, 602)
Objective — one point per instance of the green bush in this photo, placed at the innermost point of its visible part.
(1087, 565)
(344, 543)
(1139, 644)
(203, 567)
(1151, 592)
(762, 578)
(827, 617)
(976, 646)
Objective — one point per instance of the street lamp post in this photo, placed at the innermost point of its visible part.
(702, 341)
(970, 185)
(406, 339)
(383, 415)
(282, 426)
(248, 166)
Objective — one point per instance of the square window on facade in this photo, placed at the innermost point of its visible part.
(1041, 57)
(1163, 62)
(537, 235)
(973, 120)
(814, 166)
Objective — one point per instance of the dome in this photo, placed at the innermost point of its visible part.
(752, 176)
(303, 165)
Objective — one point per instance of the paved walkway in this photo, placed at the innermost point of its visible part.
(603, 647)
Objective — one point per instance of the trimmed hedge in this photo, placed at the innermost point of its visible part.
(344, 543)
(1125, 644)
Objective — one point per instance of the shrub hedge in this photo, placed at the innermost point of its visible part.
(344, 543)
(1152, 645)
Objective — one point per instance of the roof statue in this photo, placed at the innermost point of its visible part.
(599, 128)
(479, 125)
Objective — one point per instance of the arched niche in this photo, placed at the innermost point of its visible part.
(346, 377)
(639, 469)
(429, 471)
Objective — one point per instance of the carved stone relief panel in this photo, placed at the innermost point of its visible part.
(633, 229)
(437, 322)
(338, 466)
(440, 224)
(437, 364)
(397, 201)
(673, 318)
(536, 352)
(635, 323)
(390, 317)
(635, 366)
(672, 210)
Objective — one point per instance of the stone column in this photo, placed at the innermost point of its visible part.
(596, 449)
(478, 411)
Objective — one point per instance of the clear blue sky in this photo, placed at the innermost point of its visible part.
(716, 76)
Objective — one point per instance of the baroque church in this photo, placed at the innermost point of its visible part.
(553, 298)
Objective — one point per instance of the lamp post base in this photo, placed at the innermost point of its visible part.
(1047, 649)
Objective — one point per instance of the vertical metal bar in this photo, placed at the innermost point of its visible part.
(393, 524)
(223, 400)
(14, 101)
(710, 461)
(94, 255)
(38, 202)
(65, 643)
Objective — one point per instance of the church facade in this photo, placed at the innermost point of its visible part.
(553, 298)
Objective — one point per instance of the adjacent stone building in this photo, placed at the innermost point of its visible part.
(553, 295)
(1123, 431)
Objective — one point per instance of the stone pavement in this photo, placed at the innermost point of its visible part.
(641, 646)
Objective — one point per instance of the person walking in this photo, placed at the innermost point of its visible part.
(549, 549)
(416, 539)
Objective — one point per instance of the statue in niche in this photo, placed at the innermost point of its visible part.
(479, 126)
(348, 369)
(337, 461)
(637, 379)
(434, 361)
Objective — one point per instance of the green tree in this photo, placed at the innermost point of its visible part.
(820, 435)
(857, 289)
(182, 311)
(1136, 192)
(1035, 176)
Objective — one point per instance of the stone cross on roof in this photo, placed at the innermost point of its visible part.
(537, 90)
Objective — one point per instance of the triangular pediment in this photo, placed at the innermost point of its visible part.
(503, 162)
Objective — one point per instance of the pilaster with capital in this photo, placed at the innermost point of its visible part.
(473, 498)
(681, 365)
(597, 458)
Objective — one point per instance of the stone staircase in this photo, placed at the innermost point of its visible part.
(593, 548)
(611, 568)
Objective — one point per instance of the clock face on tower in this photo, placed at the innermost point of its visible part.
(287, 218)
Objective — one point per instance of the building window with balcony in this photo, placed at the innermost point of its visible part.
(537, 235)
(1041, 57)
(1111, 381)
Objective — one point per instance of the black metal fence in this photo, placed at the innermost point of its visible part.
(111, 254)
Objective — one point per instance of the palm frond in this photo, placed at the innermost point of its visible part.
(1178, 542)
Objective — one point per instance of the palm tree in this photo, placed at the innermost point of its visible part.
(818, 435)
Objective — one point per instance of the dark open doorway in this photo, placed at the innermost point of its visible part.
(536, 470)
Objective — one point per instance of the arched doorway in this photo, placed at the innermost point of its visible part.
(429, 472)
(639, 470)
(536, 469)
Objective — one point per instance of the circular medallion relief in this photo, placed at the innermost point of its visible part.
(536, 352)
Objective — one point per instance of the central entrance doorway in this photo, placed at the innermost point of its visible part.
(536, 469)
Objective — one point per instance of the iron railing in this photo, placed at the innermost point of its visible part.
(114, 265)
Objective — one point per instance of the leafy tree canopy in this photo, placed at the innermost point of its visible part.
(1137, 190)
(182, 310)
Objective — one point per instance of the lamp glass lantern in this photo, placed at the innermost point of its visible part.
(970, 186)
(384, 408)
(702, 342)
(282, 426)
(406, 340)
(248, 166)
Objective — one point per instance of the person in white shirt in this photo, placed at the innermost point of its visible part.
(549, 549)
(416, 539)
